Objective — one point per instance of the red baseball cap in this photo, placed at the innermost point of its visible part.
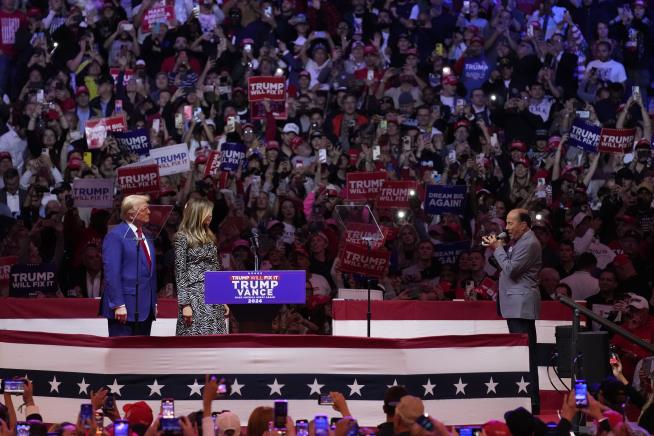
(450, 80)
(138, 413)
(461, 123)
(496, 428)
(518, 145)
(81, 90)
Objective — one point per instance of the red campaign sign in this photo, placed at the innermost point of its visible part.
(364, 186)
(359, 260)
(158, 13)
(96, 129)
(271, 88)
(360, 233)
(127, 75)
(261, 88)
(141, 179)
(616, 140)
(5, 266)
(213, 163)
(396, 193)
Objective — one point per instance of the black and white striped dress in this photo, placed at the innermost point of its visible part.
(190, 266)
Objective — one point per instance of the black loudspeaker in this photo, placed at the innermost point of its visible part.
(563, 333)
(593, 347)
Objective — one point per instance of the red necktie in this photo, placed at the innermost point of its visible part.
(139, 233)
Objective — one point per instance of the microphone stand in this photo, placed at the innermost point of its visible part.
(254, 242)
(138, 277)
(369, 312)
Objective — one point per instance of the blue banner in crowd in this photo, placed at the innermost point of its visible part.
(585, 135)
(449, 253)
(445, 199)
(133, 142)
(231, 155)
(255, 287)
(28, 280)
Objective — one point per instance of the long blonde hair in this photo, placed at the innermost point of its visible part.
(195, 212)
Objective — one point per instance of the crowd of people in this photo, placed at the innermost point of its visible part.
(405, 415)
(481, 94)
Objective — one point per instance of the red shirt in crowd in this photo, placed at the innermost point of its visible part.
(9, 24)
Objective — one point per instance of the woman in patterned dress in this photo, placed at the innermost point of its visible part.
(195, 253)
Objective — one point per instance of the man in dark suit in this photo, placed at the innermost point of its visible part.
(87, 281)
(12, 195)
(519, 295)
(123, 265)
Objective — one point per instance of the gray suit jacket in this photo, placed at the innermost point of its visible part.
(518, 288)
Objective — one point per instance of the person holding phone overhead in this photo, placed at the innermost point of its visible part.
(196, 253)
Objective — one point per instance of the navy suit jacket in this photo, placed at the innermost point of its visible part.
(120, 266)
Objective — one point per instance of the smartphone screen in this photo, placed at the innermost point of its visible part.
(322, 155)
(424, 422)
(121, 428)
(85, 413)
(281, 411)
(23, 429)
(581, 390)
(321, 423)
(325, 400)
(168, 408)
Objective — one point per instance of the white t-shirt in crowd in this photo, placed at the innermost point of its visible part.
(609, 71)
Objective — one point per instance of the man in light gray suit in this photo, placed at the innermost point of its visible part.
(519, 297)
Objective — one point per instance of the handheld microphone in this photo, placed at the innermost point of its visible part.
(503, 236)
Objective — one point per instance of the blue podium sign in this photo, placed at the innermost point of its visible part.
(255, 287)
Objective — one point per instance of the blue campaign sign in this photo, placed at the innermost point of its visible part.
(133, 142)
(255, 287)
(584, 135)
(445, 199)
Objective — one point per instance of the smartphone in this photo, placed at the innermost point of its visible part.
(541, 181)
(188, 112)
(325, 400)
(439, 49)
(280, 413)
(16, 386)
(109, 402)
(451, 156)
(23, 429)
(156, 124)
(247, 48)
(383, 125)
(85, 413)
(530, 31)
(466, 7)
(469, 431)
(406, 143)
(196, 114)
(127, 27)
(321, 425)
(231, 125)
(480, 158)
(460, 102)
(322, 156)
(179, 121)
(584, 115)
(447, 71)
(167, 408)
(436, 176)
(371, 75)
(118, 106)
(320, 34)
(45, 151)
(581, 391)
(424, 422)
(301, 425)
(268, 11)
(88, 158)
(376, 152)
(635, 91)
(40, 96)
(121, 427)
(494, 142)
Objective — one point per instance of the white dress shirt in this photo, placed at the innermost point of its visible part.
(147, 246)
(13, 202)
